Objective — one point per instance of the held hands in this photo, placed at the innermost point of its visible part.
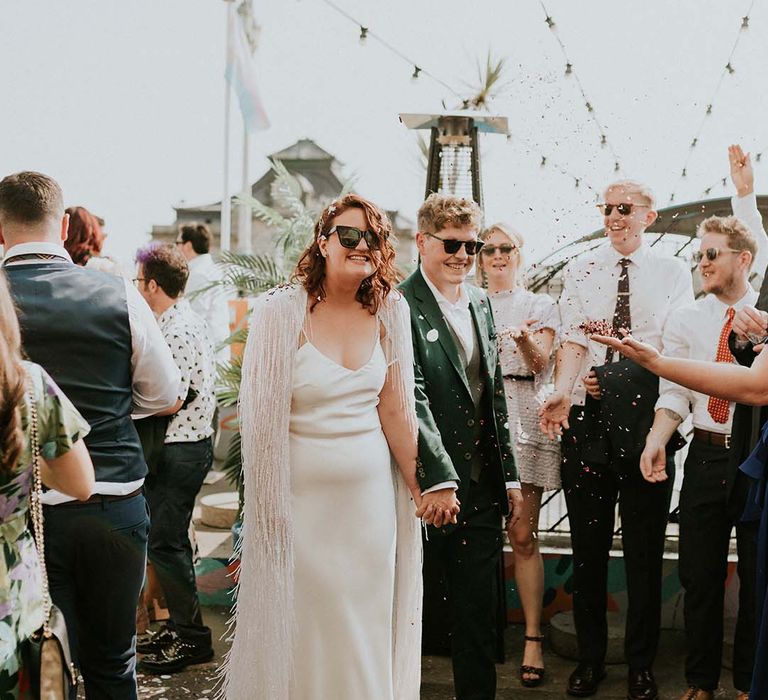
(653, 462)
(438, 508)
(553, 415)
(742, 175)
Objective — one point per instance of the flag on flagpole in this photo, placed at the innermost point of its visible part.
(241, 71)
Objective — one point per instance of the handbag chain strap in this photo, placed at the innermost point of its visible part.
(36, 510)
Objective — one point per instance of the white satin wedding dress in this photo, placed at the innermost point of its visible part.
(344, 519)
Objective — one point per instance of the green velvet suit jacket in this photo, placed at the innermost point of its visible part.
(444, 405)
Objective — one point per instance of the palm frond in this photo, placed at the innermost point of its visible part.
(262, 212)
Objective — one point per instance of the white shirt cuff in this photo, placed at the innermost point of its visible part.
(678, 404)
(442, 485)
(512, 485)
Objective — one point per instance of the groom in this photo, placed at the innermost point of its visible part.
(464, 444)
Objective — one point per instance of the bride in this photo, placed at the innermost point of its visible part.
(329, 591)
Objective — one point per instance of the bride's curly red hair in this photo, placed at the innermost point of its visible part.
(310, 270)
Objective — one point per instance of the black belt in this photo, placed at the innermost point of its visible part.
(520, 377)
(101, 497)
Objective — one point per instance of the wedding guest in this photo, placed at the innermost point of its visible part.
(184, 459)
(526, 326)
(714, 491)
(329, 599)
(85, 240)
(97, 338)
(606, 409)
(64, 465)
(464, 442)
(731, 382)
(194, 242)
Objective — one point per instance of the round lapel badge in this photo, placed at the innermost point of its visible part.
(432, 335)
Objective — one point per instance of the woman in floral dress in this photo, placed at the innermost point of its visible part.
(65, 465)
(527, 325)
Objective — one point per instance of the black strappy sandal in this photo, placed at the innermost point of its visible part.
(537, 673)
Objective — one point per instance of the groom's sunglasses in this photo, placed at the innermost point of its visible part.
(451, 245)
(349, 236)
(624, 208)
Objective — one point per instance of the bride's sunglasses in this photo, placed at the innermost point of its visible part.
(451, 245)
(505, 249)
(624, 208)
(349, 236)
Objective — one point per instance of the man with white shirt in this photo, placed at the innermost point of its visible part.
(98, 339)
(714, 491)
(184, 460)
(464, 443)
(194, 242)
(602, 407)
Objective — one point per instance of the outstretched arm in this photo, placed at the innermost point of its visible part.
(728, 381)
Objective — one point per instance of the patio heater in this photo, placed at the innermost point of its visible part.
(453, 166)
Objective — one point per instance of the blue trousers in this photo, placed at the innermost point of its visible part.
(96, 558)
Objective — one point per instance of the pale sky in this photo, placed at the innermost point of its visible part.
(123, 102)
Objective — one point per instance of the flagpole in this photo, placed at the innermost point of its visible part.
(244, 240)
(226, 209)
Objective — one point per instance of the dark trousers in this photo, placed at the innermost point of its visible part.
(591, 492)
(171, 491)
(468, 558)
(707, 517)
(96, 556)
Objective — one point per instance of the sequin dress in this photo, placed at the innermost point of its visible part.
(537, 457)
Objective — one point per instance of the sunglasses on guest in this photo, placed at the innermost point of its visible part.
(505, 249)
(349, 237)
(451, 245)
(624, 208)
(712, 253)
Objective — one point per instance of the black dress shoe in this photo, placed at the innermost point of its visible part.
(642, 685)
(156, 640)
(585, 679)
(175, 657)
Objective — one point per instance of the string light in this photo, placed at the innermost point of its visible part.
(570, 71)
(366, 34)
(728, 69)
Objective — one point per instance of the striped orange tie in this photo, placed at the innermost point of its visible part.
(719, 409)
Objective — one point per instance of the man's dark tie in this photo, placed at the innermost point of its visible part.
(621, 316)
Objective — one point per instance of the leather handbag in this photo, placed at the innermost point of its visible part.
(47, 659)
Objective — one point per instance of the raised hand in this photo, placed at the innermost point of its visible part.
(742, 175)
(642, 353)
(553, 415)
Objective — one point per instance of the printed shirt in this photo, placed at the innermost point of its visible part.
(187, 335)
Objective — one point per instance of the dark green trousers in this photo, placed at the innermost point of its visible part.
(467, 559)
